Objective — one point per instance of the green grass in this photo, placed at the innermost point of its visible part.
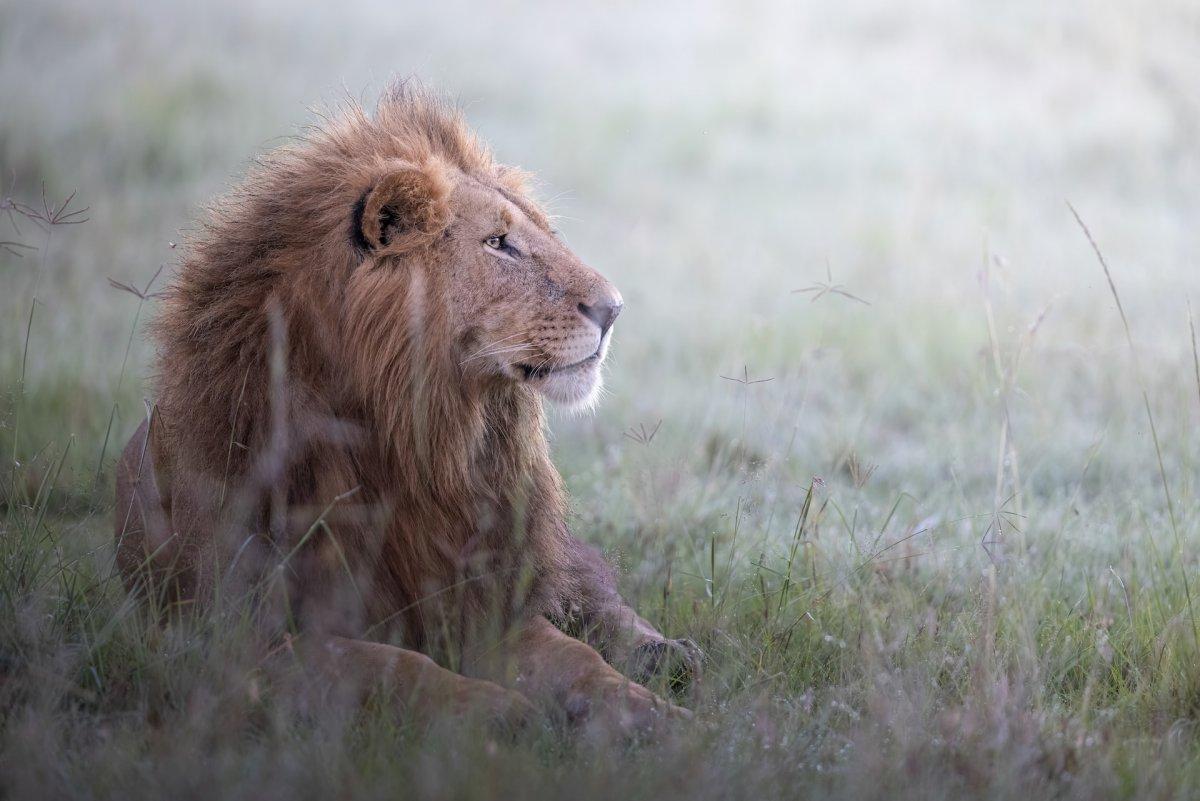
(932, 556)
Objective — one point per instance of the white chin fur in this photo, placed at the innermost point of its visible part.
(573, 389)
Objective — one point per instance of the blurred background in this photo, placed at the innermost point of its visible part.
(860, 205)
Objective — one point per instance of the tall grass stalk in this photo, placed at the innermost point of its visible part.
(1162, 470)
(142, 295)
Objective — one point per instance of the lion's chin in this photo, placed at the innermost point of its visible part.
(575, 388)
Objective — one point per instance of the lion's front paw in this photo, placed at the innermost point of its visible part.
(620, 706)
(680, 661)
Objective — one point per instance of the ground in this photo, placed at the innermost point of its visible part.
(876, 435)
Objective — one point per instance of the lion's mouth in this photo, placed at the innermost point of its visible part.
(530, 372)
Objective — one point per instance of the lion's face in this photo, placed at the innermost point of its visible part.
(530, 310)
(522, 306)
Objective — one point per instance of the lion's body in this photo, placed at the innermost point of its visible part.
(318, 415)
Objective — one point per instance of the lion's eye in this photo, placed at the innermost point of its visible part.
(494, 242)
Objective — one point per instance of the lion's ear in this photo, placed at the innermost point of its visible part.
(408, 206)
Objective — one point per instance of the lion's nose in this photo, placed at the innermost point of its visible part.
(603, 314)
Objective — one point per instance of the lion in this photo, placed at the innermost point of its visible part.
(348, 426)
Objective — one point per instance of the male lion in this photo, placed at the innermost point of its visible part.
(348, 426)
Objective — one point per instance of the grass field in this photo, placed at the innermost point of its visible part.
(877, 433)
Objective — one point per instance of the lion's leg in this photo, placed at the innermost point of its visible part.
(611, 626)
(419, 687)
(558, 671)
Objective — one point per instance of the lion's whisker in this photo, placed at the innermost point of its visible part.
(497, 352)
(490, 345)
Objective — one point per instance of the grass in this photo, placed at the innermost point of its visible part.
(933, 518)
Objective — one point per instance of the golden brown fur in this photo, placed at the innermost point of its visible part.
(351, 367)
